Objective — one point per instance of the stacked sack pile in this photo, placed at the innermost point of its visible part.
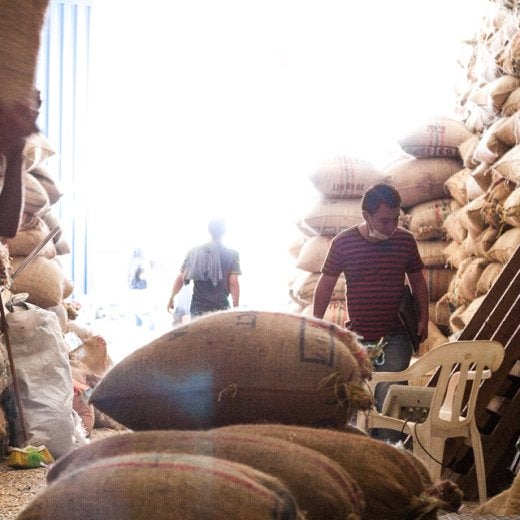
(424, 180)
(340, 183)
(43, 279)
(485, 230)
(240, 414)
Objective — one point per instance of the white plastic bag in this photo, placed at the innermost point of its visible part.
(43, 372)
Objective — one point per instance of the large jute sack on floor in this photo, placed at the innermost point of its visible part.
(438, 280)
(455, 254)
(512, 104)
(20, 27)
(474, 217)
(432, 252)
(237, 366)
(500, 89)
(28, 237)
(43, 279)
(345, 177)
(313, 253)
(36, 151)
(437, 137)
(336, 312)
(328, 217)
(427, 219)
(469, 277)
(393, 486)
(163, 486)
(421, 180)
(322, 489)
(302, 289)
(505, 246)
(511, 209)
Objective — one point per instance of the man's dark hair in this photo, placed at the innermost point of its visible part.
(217, 228)
(379, 194)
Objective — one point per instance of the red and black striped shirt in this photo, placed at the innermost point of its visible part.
(375, 274)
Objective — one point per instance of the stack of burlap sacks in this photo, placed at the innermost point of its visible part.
(240, 414)
(340, 184)
(428, 158)
(43, 279)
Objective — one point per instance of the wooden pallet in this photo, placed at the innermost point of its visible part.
(498, 404)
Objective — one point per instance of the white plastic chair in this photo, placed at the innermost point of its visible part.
(463, 365)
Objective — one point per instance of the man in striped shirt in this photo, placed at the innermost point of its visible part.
(376, 256)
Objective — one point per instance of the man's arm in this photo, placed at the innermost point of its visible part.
(177, 286)
(234, 289)
(322, 294)
(421, 294)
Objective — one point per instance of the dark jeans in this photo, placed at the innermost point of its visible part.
(396, 357)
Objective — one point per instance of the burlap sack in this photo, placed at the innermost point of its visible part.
(302, 289)
(508, 166)
(392, 485)
(29, 236)
(432, 252)
(321, 488)
(495, 506)
(336, 312)
(456, 186)
(484, 242)
(313, 253)
(511, 209)
(505, 246)
(469, 245)
(488, 277)
(512, 104)
(20, 27)
(500, 90)
(483, 177)
(468, 278)
(490, 148)
(470, 310)
(438, 281)
(509, 131)
(36, 151)
(50, 185)
(437, 137)
(440, 313)
(421, 180)
(52, 221)
(474, 218)
(36, 200)
(455, 254)
(466, 150)
(473, 189)
(456, 321)
(455, 225)
(327, 217)
(427, 219)
(164, 486)
(513, 503)
(345, 177)
(296, 244)
(43, 279)
(435, 339)
(238, 366)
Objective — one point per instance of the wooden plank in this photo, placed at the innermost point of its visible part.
(494, 446)
(490, 387)
(509, 273)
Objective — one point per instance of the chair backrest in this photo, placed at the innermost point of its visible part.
(462, 366)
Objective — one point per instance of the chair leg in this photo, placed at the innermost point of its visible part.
(430, 450)
(478, 457)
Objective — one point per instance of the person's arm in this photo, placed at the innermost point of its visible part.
(322, 294)
(177, 286)
(234, 289)
(421, 294)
